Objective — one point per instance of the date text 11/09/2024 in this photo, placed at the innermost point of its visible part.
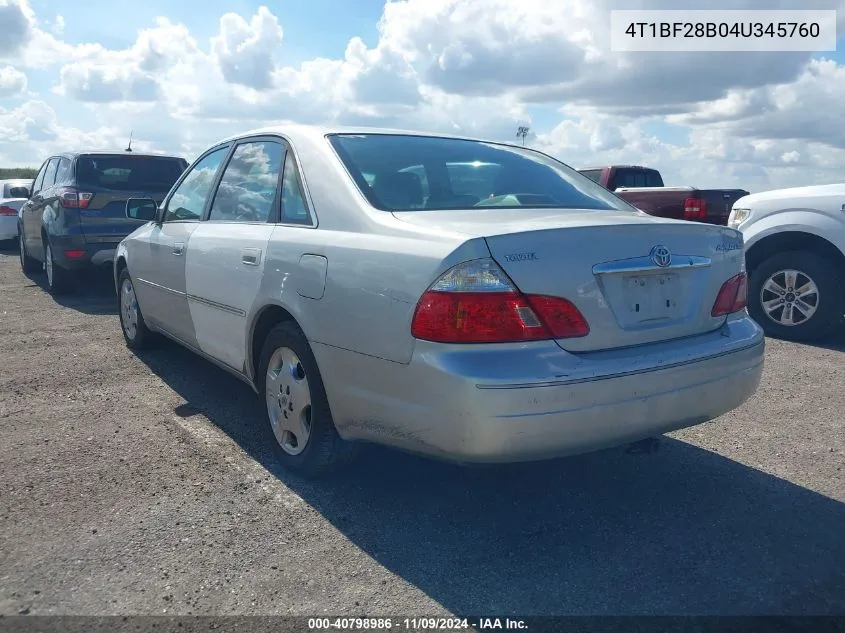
(724, 29)
(415, 624)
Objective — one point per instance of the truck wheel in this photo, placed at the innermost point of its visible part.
(796, 296)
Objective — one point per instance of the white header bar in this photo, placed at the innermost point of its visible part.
(722, 31)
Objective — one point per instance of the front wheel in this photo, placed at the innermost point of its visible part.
(298, 413)
(796, 296)
(29, 265)
(135, 330)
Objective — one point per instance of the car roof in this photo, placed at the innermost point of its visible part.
(115, 152)
(298, 132)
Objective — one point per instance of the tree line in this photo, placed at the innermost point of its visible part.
(9, 173)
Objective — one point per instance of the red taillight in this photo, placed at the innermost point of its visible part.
(4, 210)
(694, 209)
(71, 198)
(74, 254)
(732, 297)
(475, 302)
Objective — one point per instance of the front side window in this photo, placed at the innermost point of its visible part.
(188, 201)
(592, 174)
(50, 176)
(397, 172)
(247, 188)
(38, 183)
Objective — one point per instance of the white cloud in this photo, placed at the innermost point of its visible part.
(478, 67)
(12, 82)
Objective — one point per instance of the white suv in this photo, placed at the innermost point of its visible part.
(795, 258)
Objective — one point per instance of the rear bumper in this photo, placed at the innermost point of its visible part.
(74, 253)
(535, 401)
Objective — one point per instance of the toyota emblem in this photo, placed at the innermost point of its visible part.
(661, 256)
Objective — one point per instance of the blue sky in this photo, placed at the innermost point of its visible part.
(747, 120)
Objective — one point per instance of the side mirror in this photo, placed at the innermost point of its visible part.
(143, 209)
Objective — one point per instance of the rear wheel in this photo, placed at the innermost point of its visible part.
(59, 280)
(796, 296)
(306, 439)
(135, 330)
(29, 265)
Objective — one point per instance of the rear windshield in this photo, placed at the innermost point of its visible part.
(398, 172)
(129, 173)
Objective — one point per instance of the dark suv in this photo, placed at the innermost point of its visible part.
(76, 214)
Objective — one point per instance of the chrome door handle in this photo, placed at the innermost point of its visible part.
(251, 256)
(178, 248)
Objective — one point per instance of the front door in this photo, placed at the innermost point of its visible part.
(158, 262)
(227, 252)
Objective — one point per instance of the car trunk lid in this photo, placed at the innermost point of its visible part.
(637, 279)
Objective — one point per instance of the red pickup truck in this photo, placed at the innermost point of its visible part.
(643, 188)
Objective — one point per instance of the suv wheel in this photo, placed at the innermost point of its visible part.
(28, 264)
(797, 296)
(59, 280)
(298, 412)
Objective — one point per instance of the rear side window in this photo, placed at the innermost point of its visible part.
(18, 192)
(592, 174)
(141, 174)
(63, 172)
(636, 178)
(409, 173)
(294, 207)
(247, 188)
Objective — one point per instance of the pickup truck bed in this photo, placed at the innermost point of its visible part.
(711, 206)
(643, 188)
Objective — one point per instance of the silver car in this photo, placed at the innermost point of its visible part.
(372, 286)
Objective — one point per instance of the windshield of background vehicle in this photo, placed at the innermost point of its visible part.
(129, 173)
(398, 172)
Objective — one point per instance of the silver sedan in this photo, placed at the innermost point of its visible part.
(468, 300)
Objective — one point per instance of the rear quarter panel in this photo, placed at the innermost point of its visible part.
(372, 285)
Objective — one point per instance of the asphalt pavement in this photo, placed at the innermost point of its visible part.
(143, 484)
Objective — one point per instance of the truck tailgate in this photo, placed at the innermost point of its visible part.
(718, 203)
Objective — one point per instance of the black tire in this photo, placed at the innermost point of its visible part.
(325, 451)
(829, 301)
(29, 265)
(141, 337)
(60, 281)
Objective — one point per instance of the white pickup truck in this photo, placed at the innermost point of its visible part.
(795, 258)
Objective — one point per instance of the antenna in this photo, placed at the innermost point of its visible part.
(522, 132)
(129, 147)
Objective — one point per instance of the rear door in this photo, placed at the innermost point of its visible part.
(157, 263)
(44, 212)
(227, 252)
(106, 181)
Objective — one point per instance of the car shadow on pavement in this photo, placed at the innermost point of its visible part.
(93, 292)
(680, 531)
